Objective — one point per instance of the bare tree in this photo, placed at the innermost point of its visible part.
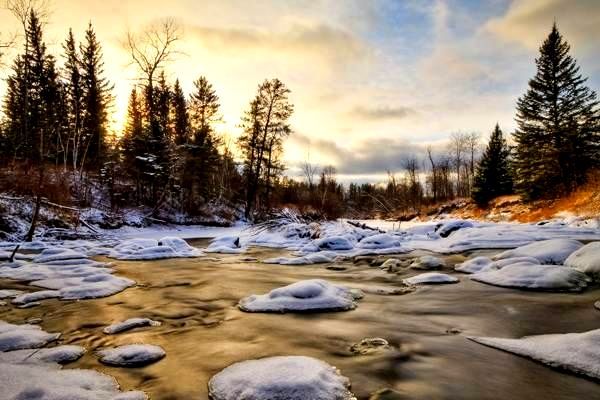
(457, 151)
(309, 171)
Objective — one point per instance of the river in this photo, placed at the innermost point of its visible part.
(203, 332)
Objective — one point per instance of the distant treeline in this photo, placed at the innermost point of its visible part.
(55, 140)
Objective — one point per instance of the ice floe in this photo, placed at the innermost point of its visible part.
(305, 296)
(535, 277)
(277, 378)
(26, 336)
(128, 324)
(131, 355)
(151, 249)
(574, 352)
(427, 263)
(430, 278)
(553, 251)
(59, 354)
(586, 259)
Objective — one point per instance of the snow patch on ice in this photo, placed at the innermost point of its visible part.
(131, 355)
(553, 251)
(575, 352)
(304, 296)
(535, 277)
(430, 278)
(276, 378)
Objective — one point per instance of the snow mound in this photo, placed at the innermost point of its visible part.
(320, 257)
(128, 324)
(131, 355)
(226, 245)
(278, 378)
(17, 337)
(428, 262)
(151, 249)
(430, 278)
(535, 277)
(574, 352)
(586, 259)
(553, 251)
(484, 264)
(380, 241)
(36, 296)
(333, 243)
(304, 296)
(60, 355)
(58, 254)
(446, 229)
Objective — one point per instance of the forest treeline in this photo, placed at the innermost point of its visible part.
(55, 140)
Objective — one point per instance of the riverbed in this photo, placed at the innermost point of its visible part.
(203, 331)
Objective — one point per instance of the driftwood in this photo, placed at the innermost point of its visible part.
(364, 226)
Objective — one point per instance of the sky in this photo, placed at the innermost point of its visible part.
(372, 82)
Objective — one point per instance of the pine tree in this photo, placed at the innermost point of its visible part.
(97, 98)
(558, 118)
(493, 176)
(16, 138)
(73, 142)
(133, 141)
(180, 122)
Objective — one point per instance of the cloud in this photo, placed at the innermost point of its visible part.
(382, 113)
(528, 22)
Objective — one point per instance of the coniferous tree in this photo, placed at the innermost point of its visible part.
(180, 122)
(558, 119)
(97, 98)
(72, 144)
(15, 133)
(493, 176)
(133, 141)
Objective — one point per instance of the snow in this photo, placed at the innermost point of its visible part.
(277, 378)
(17, 337)
(303, 296)
(428, 262)
(36, 296)
(447, 228)
(131, 355)
(553, 251)
(430, 278)
(57, 254)
(333, 243)
(483, 264)
(381, 241)
(225, 245)
(8, 293)
(59, 354)
(30, 372)
(574, 352)
(586, 259)
(152, 249)
(128, 324)
(535, 277)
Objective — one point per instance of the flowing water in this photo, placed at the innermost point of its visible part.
(203, 331)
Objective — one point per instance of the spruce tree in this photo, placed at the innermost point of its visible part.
(180, 121)
(97, 98)
(493, 176)
(133, 141)
(73, 143)
(558, 119)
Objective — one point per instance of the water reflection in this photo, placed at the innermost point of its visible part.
(203, 331)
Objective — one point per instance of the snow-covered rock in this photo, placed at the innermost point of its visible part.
(9, 293)
(430, 278)
(333, 243)
(131, 355)
(17, 337)
(226, 245)
(535, 277)
(392, 265)
(370, 346)
(57, 254)
(278, 378)
(128, 324)
(574, 352)
(151, 249)
(304, 296)
(586, 259)
(380, 241)
(35, 296)
(447, 228)
(59, 354)
(427, 263)
(553, 251)
(483, 264)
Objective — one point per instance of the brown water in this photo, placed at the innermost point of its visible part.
(203, 331)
